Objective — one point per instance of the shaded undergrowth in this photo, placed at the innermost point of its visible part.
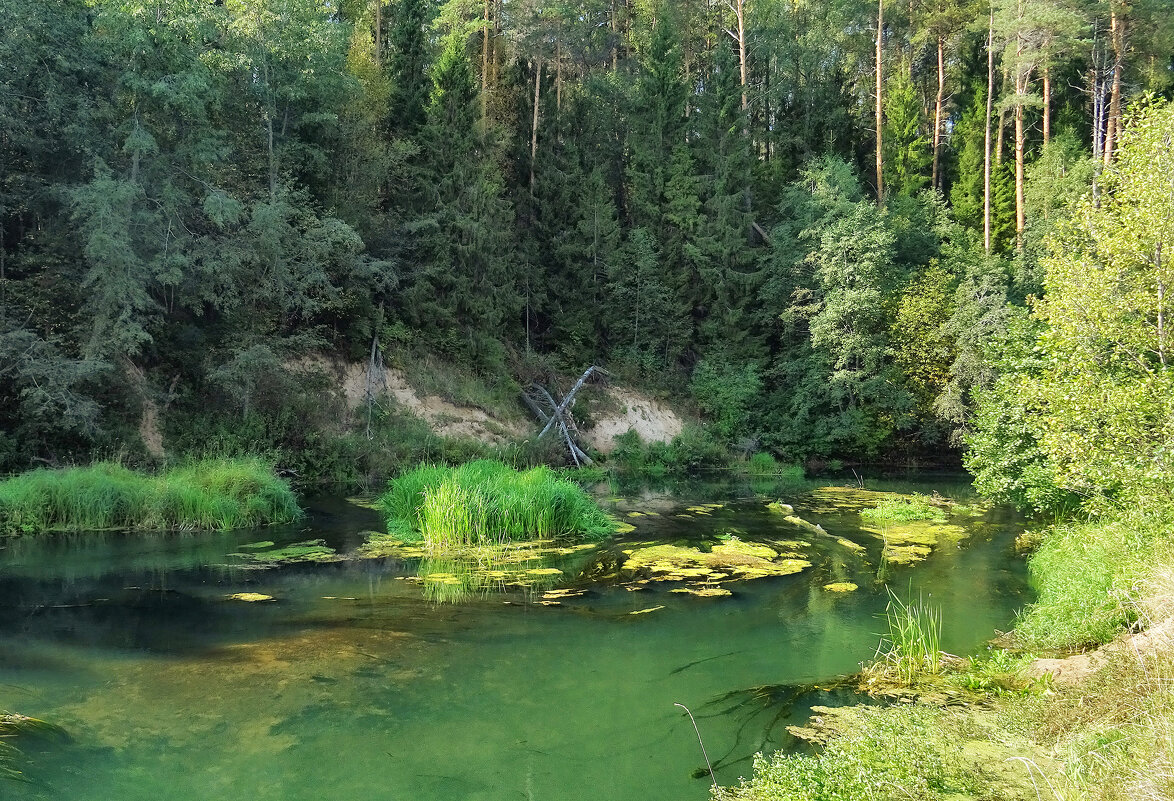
(205, 495)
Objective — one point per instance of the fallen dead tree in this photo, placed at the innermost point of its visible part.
(556, 414)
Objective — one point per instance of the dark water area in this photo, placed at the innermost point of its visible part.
(353, 684)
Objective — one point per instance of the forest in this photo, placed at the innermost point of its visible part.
(822, 224)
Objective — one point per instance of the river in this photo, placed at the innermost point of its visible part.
(353, 684)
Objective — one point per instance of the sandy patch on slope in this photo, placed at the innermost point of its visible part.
(649, 418)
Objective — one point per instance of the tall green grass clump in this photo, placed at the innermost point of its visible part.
(912, 648)
(487, 502)
(213, 495)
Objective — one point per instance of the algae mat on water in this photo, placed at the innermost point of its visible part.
(904, 541)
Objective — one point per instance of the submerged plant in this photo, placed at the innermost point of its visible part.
(487, 502)
(12, 726)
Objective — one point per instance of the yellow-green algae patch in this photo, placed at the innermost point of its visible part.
(704, 592)
(646, 611)
(841, 586)
(731, 560)
(249, 597)
(904, 541)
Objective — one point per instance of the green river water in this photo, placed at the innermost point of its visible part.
(353, 685)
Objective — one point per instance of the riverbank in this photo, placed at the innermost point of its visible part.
(1074, 703)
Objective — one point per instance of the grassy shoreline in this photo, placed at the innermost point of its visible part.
(1098, 724)
(210, 495)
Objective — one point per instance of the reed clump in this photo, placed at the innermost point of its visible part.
(211, 495)
(912, 648)
(488, 502)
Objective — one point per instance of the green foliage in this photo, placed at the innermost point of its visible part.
(727, 395)
(1084, 574)
(890, 753)
(911, 648)
(489, 502)
(903, 509)
(207, 495)
(907, 153)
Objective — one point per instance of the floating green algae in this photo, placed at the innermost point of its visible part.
(306, 551)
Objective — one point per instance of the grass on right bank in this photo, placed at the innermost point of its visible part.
(1106, 737)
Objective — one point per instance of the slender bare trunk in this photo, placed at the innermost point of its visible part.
(1113, 124)
(534, 124)
(1020, 145)
(986, 153)
(1047, 89)
(378, 31)
(740, 10)
(485, 66)
(937, 115)
(880, 159)
(615, 36)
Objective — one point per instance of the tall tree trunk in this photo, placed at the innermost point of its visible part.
(880, 159)
(615, 36)
(485, 66)
(986, 157)
(937, 116)
(740, 11)
(558, 76)
(1113, 124)
(534, 124)
(378, 32)
(1021, 85)
(1047, 89)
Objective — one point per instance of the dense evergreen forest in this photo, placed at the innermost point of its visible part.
(827, 221)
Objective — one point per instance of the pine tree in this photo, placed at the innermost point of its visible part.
(461, 287)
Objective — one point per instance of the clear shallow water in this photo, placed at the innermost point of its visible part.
(352, 685)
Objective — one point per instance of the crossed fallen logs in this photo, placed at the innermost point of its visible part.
(557, 415)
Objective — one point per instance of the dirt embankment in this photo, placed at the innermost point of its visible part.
(652, 420)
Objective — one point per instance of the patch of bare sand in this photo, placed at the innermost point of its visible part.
(444, 418)
(651, 419)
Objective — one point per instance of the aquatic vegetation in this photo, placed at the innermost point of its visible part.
(907, 751)
(841, 586)
(249, 597)
(732, 560)
(209, 495)
(305, 551)
(903, 509)
(912, 646)
(12, 726)
(487, 501)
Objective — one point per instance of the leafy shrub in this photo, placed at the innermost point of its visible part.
(897, 752)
